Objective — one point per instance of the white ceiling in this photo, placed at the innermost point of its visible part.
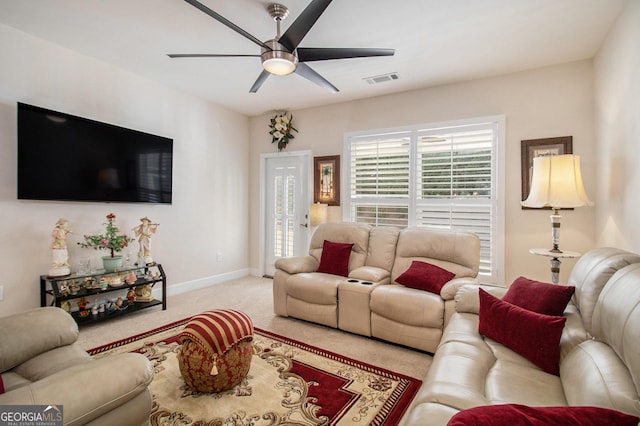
(436, 42)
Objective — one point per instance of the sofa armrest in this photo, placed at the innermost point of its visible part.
(30, 333)
(89, 390)
(467, 299)
(298, 264)
(449, 290)
(370, 273)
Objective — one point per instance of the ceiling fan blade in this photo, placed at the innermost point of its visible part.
(308, 54)
(226, 22)
(307, 72)
(261, 79)
(303, 23)
(207, 55)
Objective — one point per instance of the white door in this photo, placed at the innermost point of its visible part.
(286, 208)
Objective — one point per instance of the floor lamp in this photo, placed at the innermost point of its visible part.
(556, 182)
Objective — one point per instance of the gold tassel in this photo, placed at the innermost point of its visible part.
(214, 369)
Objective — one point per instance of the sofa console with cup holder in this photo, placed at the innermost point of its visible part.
(389, 283)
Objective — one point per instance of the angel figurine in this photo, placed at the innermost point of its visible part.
(59, 254)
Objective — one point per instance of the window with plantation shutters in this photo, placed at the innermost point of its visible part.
(434, 176)
(380, 177)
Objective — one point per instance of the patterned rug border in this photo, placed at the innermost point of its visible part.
(336, 356)
(131, 339)
(407, 391)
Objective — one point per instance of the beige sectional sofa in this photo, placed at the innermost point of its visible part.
(599, 351)
(369, 301)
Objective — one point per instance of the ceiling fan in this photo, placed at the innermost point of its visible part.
(281, 55)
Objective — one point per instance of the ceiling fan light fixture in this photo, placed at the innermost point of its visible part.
(279, 66)
(278, 61)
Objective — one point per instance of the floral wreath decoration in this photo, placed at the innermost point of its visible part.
(280, 129)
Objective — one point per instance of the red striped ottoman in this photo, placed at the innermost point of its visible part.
(216, 350)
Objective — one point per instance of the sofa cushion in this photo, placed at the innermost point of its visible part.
(543, 298)
(314, 287)
(55, 328)
(514, 379)
(534, 336)
(515, 414)
(51, 362)
(335, 258)
(616, 318)
(408, 306)
(12, 380)
(590, 274)
(342, 232)
(605, 370)
(425, 276)
(382, 247)
(455, 251)
(592, 374)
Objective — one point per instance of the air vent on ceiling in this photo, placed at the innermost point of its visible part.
(382, 78)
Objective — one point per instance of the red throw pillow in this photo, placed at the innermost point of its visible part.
(534, 336)
(335, 258)
(425, 276)
(521, 415)
(543, 298)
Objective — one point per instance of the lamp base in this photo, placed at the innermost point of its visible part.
(555, 230)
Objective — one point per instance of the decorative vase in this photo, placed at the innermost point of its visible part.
(112, 264)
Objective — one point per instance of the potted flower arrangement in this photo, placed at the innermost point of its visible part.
(111, 241)
(280, 129)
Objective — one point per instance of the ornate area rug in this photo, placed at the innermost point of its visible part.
(289, 383)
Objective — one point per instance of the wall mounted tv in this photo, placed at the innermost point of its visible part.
(68, 158)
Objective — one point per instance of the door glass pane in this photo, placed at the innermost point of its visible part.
(284, 218)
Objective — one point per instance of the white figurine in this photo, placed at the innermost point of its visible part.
(59, 254)
(144, 231)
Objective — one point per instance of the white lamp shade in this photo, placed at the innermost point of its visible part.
(319, 213)
(557, 182)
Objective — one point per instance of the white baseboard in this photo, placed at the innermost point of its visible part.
(254, 272)
(187, 286)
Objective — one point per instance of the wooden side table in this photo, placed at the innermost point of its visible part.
(555, 260)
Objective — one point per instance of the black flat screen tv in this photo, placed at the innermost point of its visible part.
(68, 158)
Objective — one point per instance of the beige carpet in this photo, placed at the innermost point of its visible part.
(253, 296)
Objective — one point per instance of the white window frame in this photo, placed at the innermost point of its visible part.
(496, 276)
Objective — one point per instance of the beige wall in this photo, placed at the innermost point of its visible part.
(617, 124)
(547, 102)
(210, 181)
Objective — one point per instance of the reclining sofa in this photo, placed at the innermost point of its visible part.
(40, 364)
(367, 299)
(599, 354)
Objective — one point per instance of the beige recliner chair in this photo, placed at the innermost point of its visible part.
(299, 291)
(40, 364)
(417, 318)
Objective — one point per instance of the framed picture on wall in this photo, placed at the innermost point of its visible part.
(326, 180)
(533, 148)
